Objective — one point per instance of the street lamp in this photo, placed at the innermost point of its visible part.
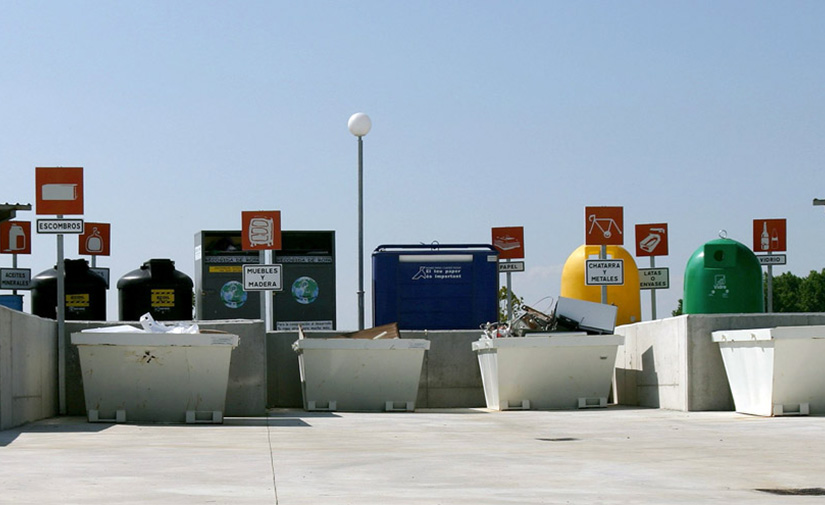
(359, 124)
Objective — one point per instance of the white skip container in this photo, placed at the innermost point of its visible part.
(356, 374)
(775, 371)
(155, 377)
(547, 370)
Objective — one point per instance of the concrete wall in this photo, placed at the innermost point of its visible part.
(28, 368)
(673, 363)
(450, 377)
(246, 391)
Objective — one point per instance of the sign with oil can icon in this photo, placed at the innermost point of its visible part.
(15, 237)
(651, 239)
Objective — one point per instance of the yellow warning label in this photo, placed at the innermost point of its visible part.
(79, 300)
(163, 297)
(226, 269)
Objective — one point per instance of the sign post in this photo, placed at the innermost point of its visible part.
(261, 231)
(59, 191)
(603, 227)
(769, 236)
(509, 242)
(651, 240)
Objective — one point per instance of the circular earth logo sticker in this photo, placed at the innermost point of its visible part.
(233, 295)
(305, 290)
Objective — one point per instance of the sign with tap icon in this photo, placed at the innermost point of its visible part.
(604, 225)
(651, 239)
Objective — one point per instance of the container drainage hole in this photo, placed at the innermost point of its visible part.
(808, 491)
(560, 439)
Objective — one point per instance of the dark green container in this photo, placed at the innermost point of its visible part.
(723, 277)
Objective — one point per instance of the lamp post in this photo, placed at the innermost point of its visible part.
(359, 124)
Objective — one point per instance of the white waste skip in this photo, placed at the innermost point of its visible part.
(360, 374)
(547, 370)
(154, 377)
(775, 371)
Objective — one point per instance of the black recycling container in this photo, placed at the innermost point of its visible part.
(157, 288)
(85, 293)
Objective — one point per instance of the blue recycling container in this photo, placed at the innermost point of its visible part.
(12, 301)
(435, 287)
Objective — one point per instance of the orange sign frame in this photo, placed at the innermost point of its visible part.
(604, 225)
(769, 235)
(16, 237)
(59, 190)
(651, 239)
(509, 242)
(95, 239)
(261, 230)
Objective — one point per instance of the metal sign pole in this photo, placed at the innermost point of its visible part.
(61, 325)
(262, 294)
(509, 295)
(14, 265)
(770, 285)
(653, 293)
(603, 256)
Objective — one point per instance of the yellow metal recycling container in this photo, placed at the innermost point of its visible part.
(626, 297)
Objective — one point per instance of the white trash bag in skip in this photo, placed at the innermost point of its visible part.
(151, 326)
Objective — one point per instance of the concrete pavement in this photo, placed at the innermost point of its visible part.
(466, 456)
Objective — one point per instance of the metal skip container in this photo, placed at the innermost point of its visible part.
(155, 377)
(775, 371)
(553, 369)
(360, 373)
(547, 371)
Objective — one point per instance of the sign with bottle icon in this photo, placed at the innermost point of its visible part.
(769, 235)
(94, 240)
(651, 239)
(15, 237)
(261, 230)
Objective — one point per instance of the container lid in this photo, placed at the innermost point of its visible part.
(780, 332)
(388, 344)
(142, 339)
(549, 340)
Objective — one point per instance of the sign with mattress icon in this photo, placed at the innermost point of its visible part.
(261, 230)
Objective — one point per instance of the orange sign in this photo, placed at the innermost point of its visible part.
(59, 190)
(509, 241)
(260, 230)
(651, 239)
(95, 239)
(769, 235)
(604, 225)
(15, 237)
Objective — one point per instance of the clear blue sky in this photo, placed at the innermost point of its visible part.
(704, 115)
